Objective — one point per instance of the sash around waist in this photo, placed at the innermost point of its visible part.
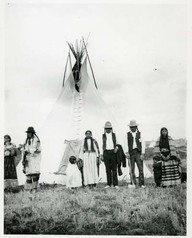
(109, 150)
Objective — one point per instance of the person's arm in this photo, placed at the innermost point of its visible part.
(127, 147)
(156, 148)
(116, 147)
(35, 146)
(38, 147)
(81, 151)
(101, 149)
(96, 148)
(13, 150)
(173, 150)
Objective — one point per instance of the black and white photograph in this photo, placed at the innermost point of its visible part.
(95, 118)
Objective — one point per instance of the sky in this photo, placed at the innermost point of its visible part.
(138, 53)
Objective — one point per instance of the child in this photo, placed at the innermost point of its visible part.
(74, 178)
(157, 170)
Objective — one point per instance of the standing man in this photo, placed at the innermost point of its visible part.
(135, 152)
(31, 154)
(110, 149)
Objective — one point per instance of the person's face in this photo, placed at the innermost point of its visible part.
(74, 161)
(6, 139)
(164, 132)
(133, 128)
(29, 135)
(88, 135)
(108, 130)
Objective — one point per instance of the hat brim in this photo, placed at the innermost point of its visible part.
(30, 132)
(133, 125)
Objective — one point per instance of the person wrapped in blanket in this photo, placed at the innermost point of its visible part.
(31, 158)
(10, 152)
(166, 161)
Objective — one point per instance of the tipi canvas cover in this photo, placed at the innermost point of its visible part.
(73, 114)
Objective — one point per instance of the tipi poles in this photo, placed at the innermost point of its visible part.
(90, 63)
(65, 70)
(70, 62)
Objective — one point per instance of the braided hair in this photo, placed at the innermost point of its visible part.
(27, 139)
(92, 142)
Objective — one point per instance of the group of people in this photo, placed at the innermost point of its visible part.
(84, 170)
(31, 158)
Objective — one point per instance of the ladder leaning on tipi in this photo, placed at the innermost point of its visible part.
(77, 103)
(77, 114)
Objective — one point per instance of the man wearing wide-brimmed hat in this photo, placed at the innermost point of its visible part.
(135, 152)
(110, 149)
(31, 158)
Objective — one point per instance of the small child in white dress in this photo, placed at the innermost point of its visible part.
(73, 173)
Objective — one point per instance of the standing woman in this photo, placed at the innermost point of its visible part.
(165, 150)
(90, 155)
(10, 174)
(31, 154)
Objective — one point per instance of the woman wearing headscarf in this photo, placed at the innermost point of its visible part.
(31, 155)
(10, 152)
(90, 155)
(166, 155)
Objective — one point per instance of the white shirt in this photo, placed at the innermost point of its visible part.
(109, 142)
(134, 142)
(89, 144)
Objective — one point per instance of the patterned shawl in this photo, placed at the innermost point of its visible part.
(173, 150)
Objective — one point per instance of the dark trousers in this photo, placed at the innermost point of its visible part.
(135, 158)
(82, 177)
(157, 175)
(110, 161)
(184, 177)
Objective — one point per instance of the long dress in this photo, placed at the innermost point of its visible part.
(10, 174)
(90, 159)
(170, 167)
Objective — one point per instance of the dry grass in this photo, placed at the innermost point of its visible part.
(57, 210)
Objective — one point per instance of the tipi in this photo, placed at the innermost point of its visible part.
(78, 108)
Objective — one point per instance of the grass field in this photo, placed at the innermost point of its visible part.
(98, 211)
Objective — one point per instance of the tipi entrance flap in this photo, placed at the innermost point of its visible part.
(72, 149)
